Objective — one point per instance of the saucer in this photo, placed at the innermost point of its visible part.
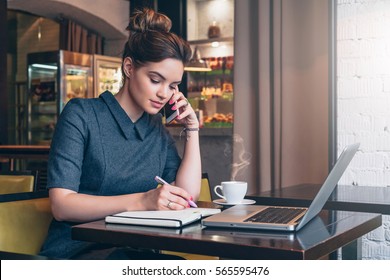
(244, 201)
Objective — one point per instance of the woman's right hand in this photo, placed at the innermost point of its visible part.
(166, 197)
(68, 205)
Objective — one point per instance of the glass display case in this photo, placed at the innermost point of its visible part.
(43, 105)
(53, 79)
(56, 77)
(210, 34)
(75, 83)
(107, 74)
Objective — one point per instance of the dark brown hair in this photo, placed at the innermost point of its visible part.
(150, 39)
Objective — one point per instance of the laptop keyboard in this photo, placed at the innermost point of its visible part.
(275, 215)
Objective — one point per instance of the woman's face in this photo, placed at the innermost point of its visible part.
(152, 85)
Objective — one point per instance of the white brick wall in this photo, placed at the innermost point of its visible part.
(363, 87)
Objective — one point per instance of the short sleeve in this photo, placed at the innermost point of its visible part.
(67, 147)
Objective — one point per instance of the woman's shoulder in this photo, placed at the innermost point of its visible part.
(78, 108)
(81, 104)
(82, 101)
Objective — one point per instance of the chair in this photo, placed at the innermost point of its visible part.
(24, 222)
(18, 181)
(205, 190)
(205, 195)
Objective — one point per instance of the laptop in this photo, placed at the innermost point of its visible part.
(305, 237)
(282, 217)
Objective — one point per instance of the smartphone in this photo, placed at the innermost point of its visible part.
(170, 114)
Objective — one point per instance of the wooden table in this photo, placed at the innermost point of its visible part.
(325, 234)
(12, 152)
(346, 198)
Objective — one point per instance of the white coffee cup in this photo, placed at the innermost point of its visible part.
(233, 192)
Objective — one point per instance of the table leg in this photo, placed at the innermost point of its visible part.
(352, 251)
(11, 164)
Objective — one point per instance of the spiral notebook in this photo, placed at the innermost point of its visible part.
(171, 218)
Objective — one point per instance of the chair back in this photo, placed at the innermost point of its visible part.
(24, 222)
(205, 191)
(18, 181)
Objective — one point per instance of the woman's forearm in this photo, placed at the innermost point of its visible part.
(76, 207)
(190, 171)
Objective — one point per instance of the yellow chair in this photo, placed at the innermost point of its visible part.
(24, 222)
(205, 191)
(205, 195)
(18, 181)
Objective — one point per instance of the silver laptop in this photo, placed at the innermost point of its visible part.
(305, 237)
(282, 217)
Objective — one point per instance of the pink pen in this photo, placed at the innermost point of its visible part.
(162, 181)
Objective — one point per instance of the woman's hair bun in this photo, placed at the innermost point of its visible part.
(150, 39)
(149, 20)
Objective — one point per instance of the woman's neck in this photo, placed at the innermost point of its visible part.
(128, 105)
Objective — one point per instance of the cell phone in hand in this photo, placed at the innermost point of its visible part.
(170, 114)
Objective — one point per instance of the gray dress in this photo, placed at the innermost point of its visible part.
(98, 150)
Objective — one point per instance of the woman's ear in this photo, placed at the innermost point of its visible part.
(127, 66)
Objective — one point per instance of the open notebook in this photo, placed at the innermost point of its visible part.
(171, 218)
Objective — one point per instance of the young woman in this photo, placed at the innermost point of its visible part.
(106, 151)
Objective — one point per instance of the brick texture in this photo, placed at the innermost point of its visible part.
(363, 88)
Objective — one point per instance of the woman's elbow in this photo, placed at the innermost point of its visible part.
(58, 198)
(58, 213)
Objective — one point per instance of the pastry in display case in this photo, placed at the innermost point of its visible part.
(211, 37)
(211, 93)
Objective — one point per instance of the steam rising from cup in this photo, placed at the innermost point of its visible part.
(243, 156)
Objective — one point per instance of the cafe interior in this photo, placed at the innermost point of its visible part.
(280, 88)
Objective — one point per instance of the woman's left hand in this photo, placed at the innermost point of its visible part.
(187, 115)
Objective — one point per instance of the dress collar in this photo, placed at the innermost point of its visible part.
(125, 123)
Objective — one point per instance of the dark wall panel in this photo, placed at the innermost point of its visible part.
(3, 73)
